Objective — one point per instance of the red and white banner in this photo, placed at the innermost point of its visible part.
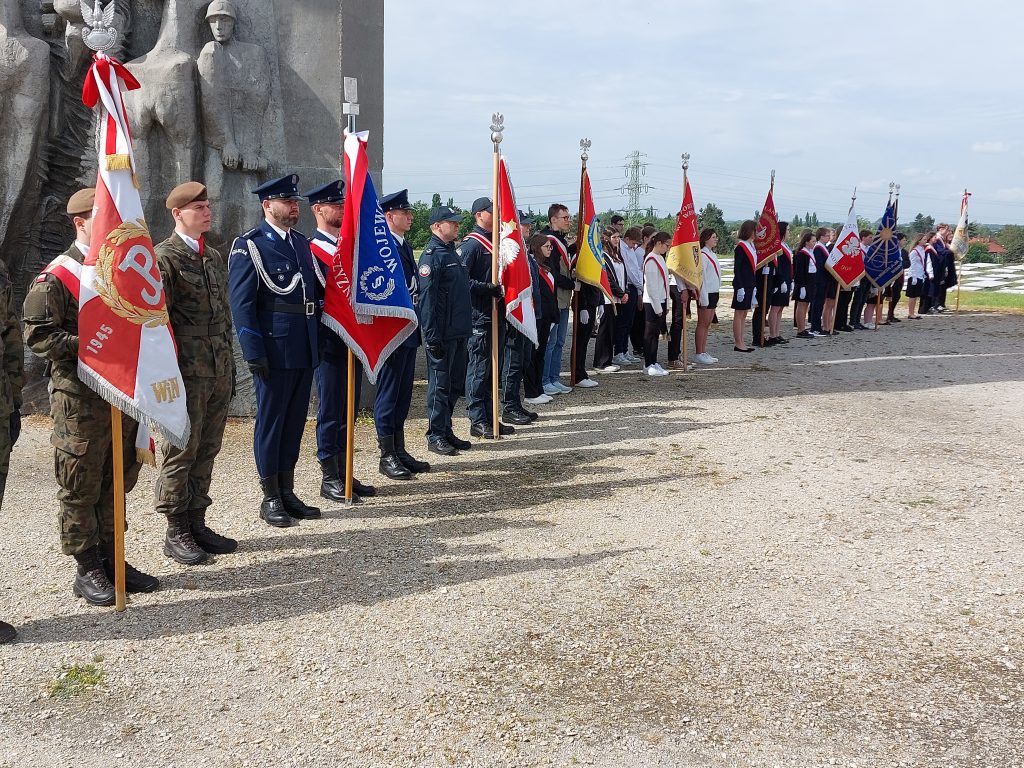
(846, 261)
(366, 298)
(126, 349)
(767, 239)
(513, 264)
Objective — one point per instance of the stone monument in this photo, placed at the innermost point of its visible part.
(253, 91)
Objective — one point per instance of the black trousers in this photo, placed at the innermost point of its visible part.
(582, 333)
(940, 296)
(860, 297)
(675, 330)
(654, 324)
(842, 309)
(533, 384)
(636, 332)
(895, 291)
(818, 300)
(605, 343)
(927, 294)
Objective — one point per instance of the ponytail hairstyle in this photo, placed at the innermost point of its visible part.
(660, 237)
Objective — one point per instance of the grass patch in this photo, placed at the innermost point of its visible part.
(999, 301)
(74, 681)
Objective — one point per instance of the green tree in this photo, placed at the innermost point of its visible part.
(712, 217)
(420, 231)
(922, 224)
(1011, 237)
(977, 253)
(435, 201)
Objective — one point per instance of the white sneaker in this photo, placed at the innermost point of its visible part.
(621, 359)
(655, 370)
(562, 388)
(538, 400)
(610, 369)
(703, 358)
(586, 383)
(869, 326)
(551, 389)
(633, 358)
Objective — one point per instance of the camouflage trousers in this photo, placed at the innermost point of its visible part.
(83, 466)
(185, 475)
(5, 452)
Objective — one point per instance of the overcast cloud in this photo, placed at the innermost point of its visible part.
(831, 95)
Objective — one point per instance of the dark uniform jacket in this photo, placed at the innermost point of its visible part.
(281, 327)
(477, 259)
(743, 272)
(196, 292)
(564, 284)
(409, 267)
(444, 302)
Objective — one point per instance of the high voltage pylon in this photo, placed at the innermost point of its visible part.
(635, 168)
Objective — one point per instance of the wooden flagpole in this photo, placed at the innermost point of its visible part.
(764, 280)
(350, 108)
(584, 154)
(959, 275)
(878, 305)
(117, 447)
(685, 304)
(497, 126)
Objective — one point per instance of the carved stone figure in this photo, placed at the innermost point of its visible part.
(235, 87)
(163, 114)
(24, 69)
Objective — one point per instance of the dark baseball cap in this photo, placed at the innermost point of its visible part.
(443, 213)
(481, 204)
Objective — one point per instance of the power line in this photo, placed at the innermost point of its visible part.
(635, 168)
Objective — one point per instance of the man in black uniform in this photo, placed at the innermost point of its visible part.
(895, 289)
(475, 253)
(445, 322)
(395, 380)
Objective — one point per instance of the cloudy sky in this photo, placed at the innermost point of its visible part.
(831, 95)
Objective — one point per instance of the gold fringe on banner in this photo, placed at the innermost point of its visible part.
(145, 456)
(119, 162)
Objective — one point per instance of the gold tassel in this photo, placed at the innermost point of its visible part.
(119, 162)
(144, 456)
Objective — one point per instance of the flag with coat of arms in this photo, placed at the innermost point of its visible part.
(846, 261)
(513, 265)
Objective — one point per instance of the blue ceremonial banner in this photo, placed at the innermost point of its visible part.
(883, 262)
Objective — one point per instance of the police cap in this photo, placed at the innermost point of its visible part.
(81, 203)
(284, 188)
(443, 213)
(396, 201)
(525, 218)
(183, 194)
(331, 192)
(481, 204)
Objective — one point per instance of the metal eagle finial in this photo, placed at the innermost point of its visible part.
(99, 33)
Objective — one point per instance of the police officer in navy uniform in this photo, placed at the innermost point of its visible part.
(327, 203)
(444, 310)
(275, 296)
(483, 291)
(395, 380)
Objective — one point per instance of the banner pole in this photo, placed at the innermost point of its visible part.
(686, 165)
(117, 448)
(584, 153)
(959, 274)
(350, 427)
(497, 126)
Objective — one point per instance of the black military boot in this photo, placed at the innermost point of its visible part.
(135, 581)
(91, 582)
(413, 465)
(272, 508)
(390, 465)
(293, 505)
(7, 633)
(333, 484)
(178, 542)
(207, 538)
(457, 443)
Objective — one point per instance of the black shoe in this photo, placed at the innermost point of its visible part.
(515, 417)
(208, 539)
(332, 486)
(771, 342)
(363, 489)
(505, 429)
(293, 505)
(178, 542)
(442, 447)
(135, 581)
(91, 581)
(845, 328)
(457, 443)
(859, 327)
(390, 465)
(737, 349)
(272, 508)
(895, 320)
(532, 414)
(780, 340)
(7, 633)
(482, 430)
(805, 335)
(411, 463)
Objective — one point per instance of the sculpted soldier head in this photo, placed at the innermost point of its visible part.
(221, 17)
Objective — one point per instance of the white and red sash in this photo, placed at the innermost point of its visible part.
(68, 271)
(563, 252)
(712, 262)
(480, 239)
(548, 278)
(751, 254)
(657, 262)
(324, 250)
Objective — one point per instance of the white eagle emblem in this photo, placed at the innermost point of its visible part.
(99, 33)
(508, 250)
(850, 246)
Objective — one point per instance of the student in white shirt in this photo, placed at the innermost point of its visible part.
(655, 300)
(916, 275)
(707, 302)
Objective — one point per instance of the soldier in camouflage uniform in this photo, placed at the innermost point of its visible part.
(83, 459)
(11, 375)
(195, 280)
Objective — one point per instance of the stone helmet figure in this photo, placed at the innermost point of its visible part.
(221, 17)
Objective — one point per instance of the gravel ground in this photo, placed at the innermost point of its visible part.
(806, 556)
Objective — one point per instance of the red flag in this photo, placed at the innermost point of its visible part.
(766, 238)
(513, 265)
(126, 350)
(590, 258)
(366, 298)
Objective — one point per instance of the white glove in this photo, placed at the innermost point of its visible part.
(741, 294)
(803, 294)
(783, 288)
(584, 317)
(753, 298)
